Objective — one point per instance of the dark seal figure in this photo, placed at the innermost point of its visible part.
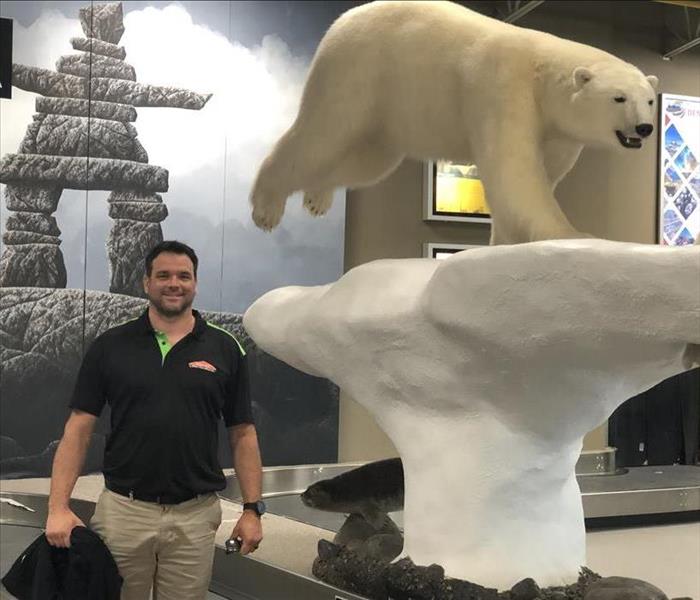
(372, 490)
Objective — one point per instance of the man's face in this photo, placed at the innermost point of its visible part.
(172, 285)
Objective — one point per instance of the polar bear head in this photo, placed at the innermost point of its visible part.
(611, 104)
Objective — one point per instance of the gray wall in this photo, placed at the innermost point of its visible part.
(608, 194)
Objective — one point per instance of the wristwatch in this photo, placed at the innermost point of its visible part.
(257, 507)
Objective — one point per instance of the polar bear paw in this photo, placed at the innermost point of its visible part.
(318, 203)
(267, 211)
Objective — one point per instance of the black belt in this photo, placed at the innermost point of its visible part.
(155, 498)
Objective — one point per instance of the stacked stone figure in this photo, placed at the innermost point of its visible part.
(82, 137)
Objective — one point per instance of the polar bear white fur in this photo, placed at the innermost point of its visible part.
(434, 80)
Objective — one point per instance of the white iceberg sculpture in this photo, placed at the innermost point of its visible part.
(486, 370)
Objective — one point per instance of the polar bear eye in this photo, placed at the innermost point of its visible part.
(651, 102)
(620, 99)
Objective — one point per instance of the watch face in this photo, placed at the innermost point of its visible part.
(258, 506)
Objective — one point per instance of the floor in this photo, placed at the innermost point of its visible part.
(667, 556)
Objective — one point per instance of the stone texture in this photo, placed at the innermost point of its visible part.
(84, 108)
(44, 328)
(43, 337)
(356, 529)
(81, 138)
(104, 22)
(403, 580)
(28, 143)
(31, 198)
(80, 173)
(32, 265)
(138, 211)
(134, 196)
(349, 571)
(128, 243)
(64, 135)
(98, 47)
(623, 588)
(40, 465)
(139, 94)
(50, 83)
(384, 546)
(28, 237)
(358, 534)
(527, 589)
(31, 221)
(94, 65)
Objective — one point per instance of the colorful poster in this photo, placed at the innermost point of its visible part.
(679, 168)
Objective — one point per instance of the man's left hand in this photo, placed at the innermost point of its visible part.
(249, 529)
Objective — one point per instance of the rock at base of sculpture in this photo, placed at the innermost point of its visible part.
(623, 588)
(384, 542)
(32, 265)
(403, 580)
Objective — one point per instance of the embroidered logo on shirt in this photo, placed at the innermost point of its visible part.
(202, 364)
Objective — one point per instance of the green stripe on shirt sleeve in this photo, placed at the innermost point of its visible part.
(235, 339)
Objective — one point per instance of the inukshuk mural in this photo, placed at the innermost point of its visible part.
(82, 137)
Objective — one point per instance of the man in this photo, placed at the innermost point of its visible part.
(168, 377)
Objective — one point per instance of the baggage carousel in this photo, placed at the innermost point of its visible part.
(612, 497)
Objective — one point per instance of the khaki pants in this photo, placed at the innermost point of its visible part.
(169, 548)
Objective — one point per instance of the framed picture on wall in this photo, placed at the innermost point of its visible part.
(453, 192)
(442, 251)
(678, 194)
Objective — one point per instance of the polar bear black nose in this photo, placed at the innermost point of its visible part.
(644, 129)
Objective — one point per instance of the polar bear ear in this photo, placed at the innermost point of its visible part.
(582, 76)
(653, 81)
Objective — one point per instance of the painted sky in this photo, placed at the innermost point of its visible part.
(253, 57)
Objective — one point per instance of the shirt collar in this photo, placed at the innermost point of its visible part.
(145, 327)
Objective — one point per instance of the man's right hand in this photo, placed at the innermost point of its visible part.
(59, 526)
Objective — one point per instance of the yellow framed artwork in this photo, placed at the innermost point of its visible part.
(453, 192)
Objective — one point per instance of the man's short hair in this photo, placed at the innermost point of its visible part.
(170, 246)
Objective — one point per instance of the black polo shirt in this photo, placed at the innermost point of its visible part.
(165, 406)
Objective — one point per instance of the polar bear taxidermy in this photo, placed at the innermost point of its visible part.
(434, 80)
